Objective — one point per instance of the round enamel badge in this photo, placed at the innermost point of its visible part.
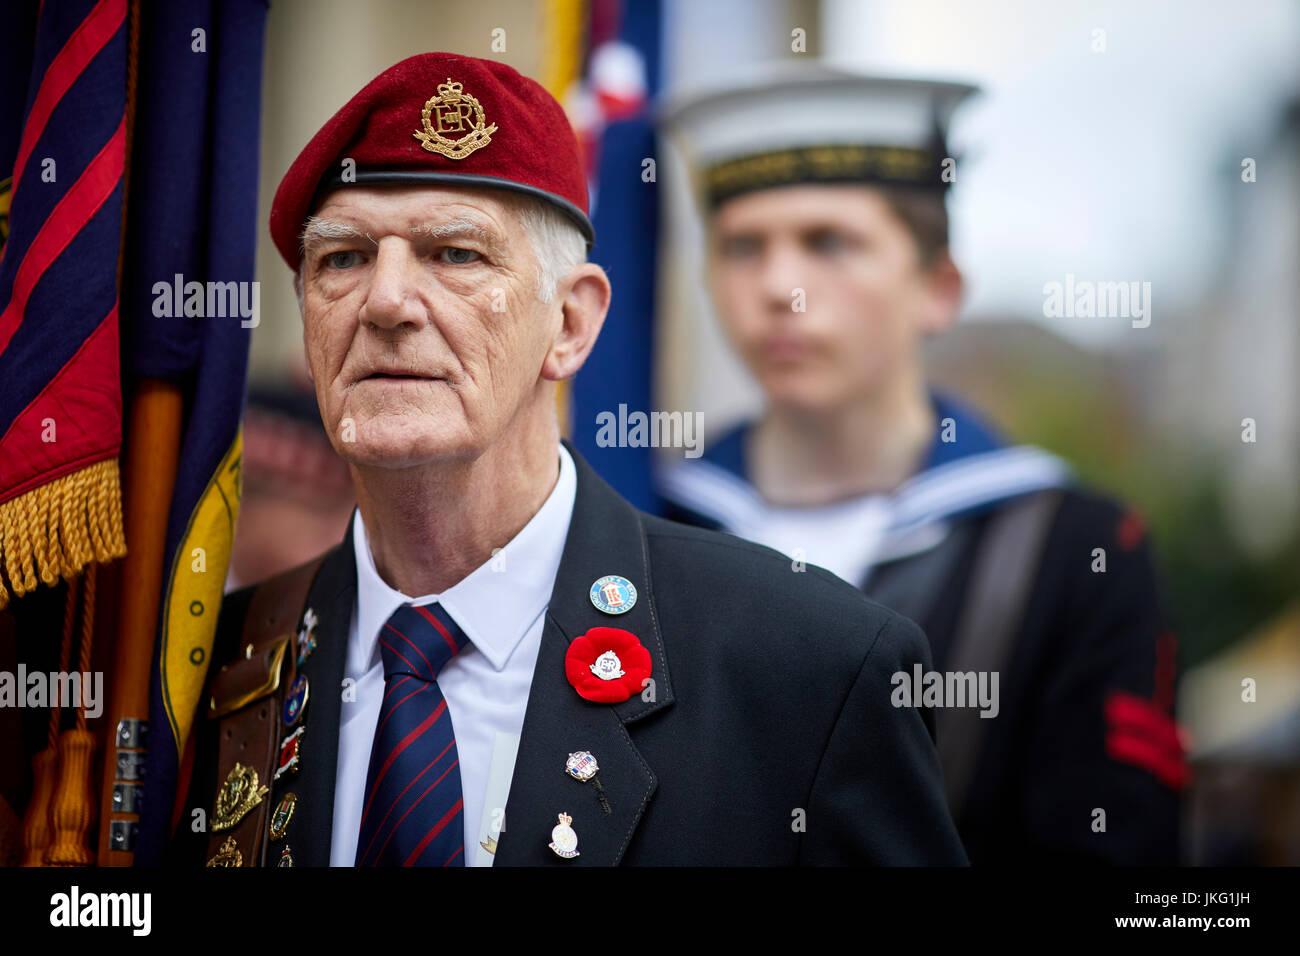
(613, 594)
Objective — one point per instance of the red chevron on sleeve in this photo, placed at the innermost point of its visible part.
(1141, 733)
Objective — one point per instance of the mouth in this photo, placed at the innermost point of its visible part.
(784, 350)
(397, 376)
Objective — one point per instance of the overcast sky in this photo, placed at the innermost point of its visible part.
(1111, 166)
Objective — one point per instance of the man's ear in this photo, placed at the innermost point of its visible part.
(584, 296)
(944, 289)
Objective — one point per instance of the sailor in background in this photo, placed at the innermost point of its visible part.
(827, 234)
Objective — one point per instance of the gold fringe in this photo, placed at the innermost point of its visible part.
(58, 528)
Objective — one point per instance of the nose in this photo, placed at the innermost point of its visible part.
(781, 273)
(393, 295)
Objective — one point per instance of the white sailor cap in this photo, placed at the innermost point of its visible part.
(810, 123)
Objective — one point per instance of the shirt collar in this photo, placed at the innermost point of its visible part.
(498, 602)
(960, 432)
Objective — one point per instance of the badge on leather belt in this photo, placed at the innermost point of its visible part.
(228, 855)
(239, 794)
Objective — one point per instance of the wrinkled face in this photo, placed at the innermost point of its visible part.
(422, 324)
(865, 299)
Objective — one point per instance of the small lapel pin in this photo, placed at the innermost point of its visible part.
(489, 844)
(307, 636)
(296, 702)
(563, 840)
(288, 762)
(613, 594)
(607, 665)
(282, 815)
(582, 766)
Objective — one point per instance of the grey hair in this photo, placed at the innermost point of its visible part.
(558, 245)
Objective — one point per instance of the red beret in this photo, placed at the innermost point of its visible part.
(444, 119)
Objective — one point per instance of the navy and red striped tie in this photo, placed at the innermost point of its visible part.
(414, 810)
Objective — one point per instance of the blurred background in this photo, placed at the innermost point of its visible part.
(1152, 142)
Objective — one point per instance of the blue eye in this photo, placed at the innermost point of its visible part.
(343, 259)
(458, 256)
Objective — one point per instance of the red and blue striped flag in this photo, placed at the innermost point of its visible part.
(60, 397)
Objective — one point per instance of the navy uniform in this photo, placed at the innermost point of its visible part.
(1007, 566)
(713, 756)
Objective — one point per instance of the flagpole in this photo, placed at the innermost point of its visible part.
(152, 453)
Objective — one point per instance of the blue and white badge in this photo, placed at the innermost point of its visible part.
(613, 594)
(296, 702)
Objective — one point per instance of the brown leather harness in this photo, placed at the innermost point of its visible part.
(247, 697)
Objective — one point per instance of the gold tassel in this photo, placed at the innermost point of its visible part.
(36, 825)
(56, 529)
(73, 808)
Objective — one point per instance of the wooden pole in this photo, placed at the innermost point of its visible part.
(152, 451)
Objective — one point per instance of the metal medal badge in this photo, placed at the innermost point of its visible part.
(613, 594)
(282, 815)
(238, 795)
(582, 767)
(454, 111)
(289, 754)
(563, 840)
(307, 636)
(227, 855)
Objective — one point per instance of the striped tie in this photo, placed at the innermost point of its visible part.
(414, 811)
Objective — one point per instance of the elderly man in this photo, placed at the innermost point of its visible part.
(504, 662)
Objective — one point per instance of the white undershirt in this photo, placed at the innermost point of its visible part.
(501, 607)
(843, 537)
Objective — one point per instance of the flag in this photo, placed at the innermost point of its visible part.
(61, 403)
(190, 304)
(622, 78)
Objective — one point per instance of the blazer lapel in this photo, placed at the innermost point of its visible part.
(605, 537)
(331, 596)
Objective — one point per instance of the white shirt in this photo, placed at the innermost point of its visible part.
(843, 538)
(501, 607)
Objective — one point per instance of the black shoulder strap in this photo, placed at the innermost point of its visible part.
(1001, 580)
(913, 585)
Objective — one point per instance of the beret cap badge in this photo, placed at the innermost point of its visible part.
(454, 111)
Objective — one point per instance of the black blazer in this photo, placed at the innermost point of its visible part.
(771, 739)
